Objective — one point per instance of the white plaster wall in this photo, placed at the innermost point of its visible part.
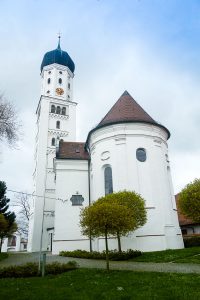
(151, 179)
(71, 179)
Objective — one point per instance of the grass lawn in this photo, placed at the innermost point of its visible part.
(98, 284)
(3, 256)
(187, 255)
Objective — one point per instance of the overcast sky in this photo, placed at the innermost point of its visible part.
(149, 47)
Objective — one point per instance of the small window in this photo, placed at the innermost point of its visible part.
(64, 111)
(108, 180)
(60, 72)
(58, 124)
(60, 80)
(68, 96)
(53, 142)
(49, 80)
(58, 109)
(68, 85)
(77, 200)
(49, 72)
(48, 92)
(141, 154)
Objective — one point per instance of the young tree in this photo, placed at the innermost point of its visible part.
(136, 205)
(189, 201)
(105, 219)
(8, 223)
(22, 202)
(9, 123)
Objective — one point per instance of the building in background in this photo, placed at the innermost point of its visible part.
(126, 150)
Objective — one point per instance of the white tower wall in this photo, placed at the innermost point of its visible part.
(45, 148)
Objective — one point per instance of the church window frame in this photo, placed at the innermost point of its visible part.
(53, 109)
(63, 111)
(53, 141)
(58, 110)
(108, 180)
(141, 154)
(58, 124)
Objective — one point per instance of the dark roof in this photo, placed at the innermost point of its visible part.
(72, 150)
(183, 220)
(58, 56)
(126, 110)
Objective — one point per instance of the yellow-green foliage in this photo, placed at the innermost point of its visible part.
(120, 213)
(189, 200)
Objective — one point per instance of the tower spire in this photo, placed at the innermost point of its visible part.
(59, 37)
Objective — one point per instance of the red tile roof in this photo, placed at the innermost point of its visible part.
(126, 109)
(72, 150)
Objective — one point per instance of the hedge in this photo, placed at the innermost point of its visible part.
(113, 255)
(191, 241)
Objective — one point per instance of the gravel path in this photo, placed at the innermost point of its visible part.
(21, 258)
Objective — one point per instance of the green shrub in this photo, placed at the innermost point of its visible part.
(31, 269)
(3, 255)
(192, 241)
(113, 255)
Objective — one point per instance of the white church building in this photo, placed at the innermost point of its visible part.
(127, 150)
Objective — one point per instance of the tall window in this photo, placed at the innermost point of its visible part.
(64, 111)
(141, 154)
(108, 180)
(68, 85)
(58, 109)
(53, 142)
(60, 80)
(58, 124)
(53, 109)
(49, 80)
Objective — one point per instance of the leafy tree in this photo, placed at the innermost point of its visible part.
(7, 218)
(9, 123)
(136, 205)
(104, 219)
(189, 201)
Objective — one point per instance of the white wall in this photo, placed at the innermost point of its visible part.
(71, 179)
(116, 145)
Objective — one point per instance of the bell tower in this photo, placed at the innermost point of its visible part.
(55, 122)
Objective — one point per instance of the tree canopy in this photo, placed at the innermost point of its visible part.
(9, 122)
(189, 201)
(7, 218)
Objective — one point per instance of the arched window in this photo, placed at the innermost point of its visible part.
(58, 124)
(58, 109)
(53, 142)
(49, 72)
(108, 180)
(49, 80)
(60, 80)
(53, 109)
(68, 85)
(64, 111)
(141, 154)
(60, 72)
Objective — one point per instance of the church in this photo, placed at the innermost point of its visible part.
(127, 150)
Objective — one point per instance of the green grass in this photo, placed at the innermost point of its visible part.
(87, 284)
(187, 255)
(3, 256)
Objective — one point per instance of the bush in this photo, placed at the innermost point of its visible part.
(191, 241)
(113, 255)
(3, 256)
(31, 269)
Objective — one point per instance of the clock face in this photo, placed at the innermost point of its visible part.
(59, 91)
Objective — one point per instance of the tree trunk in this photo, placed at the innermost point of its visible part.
(1, 242)
(107, 256)
(119, 243)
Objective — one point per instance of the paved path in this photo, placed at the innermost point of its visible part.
(22, 258)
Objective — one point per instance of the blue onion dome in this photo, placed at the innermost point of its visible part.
(58, 56)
